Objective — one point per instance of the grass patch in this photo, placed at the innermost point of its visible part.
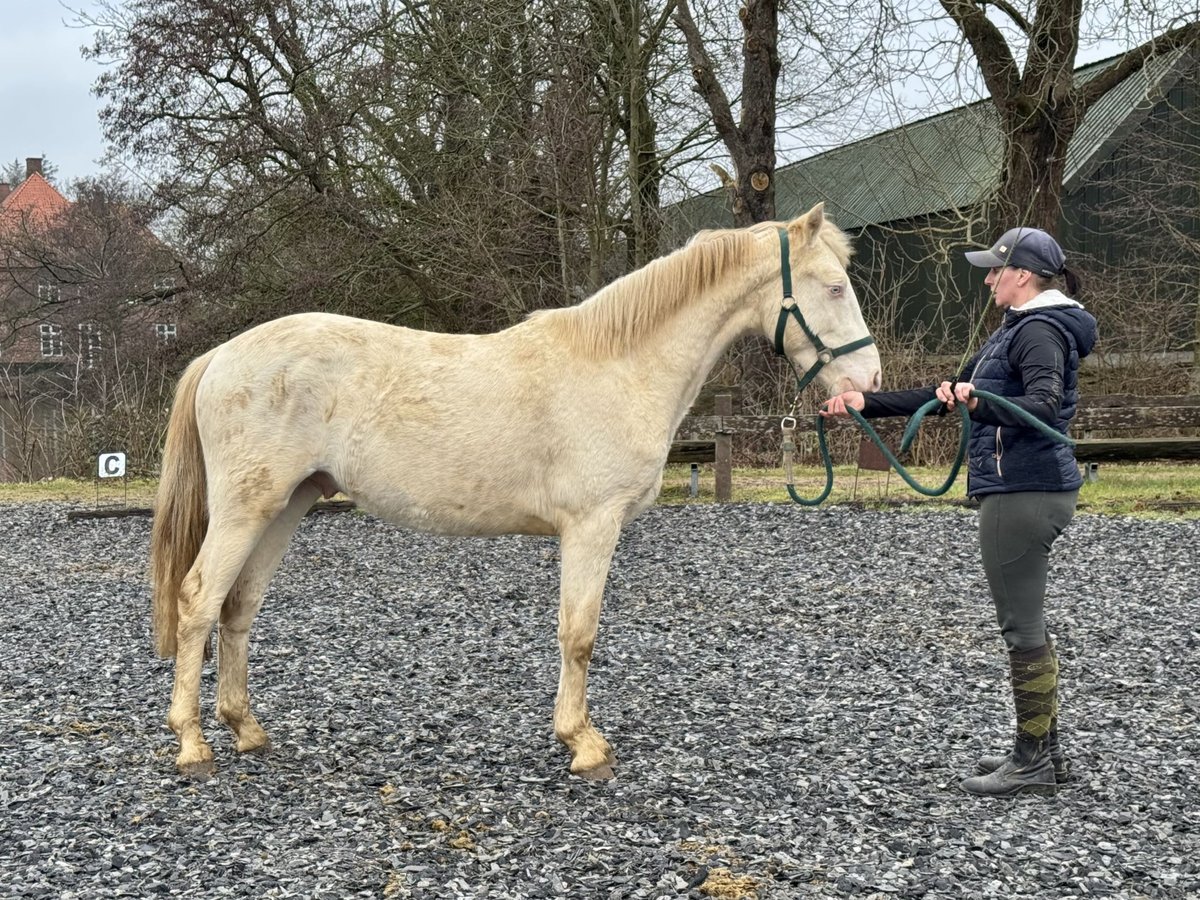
(109, 492)
(1138, 489)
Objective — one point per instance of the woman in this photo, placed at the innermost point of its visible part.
(1027, 484)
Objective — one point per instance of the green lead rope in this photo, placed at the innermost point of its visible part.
(910, 434)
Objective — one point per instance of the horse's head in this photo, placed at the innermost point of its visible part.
(820, 328)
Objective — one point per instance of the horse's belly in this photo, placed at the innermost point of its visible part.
(458, 516)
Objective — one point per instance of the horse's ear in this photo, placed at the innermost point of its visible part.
(804, 229)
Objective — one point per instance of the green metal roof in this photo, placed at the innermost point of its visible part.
(944, 162)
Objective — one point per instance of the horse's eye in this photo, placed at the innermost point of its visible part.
(836, 289)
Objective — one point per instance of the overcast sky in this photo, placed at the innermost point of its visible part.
(46, 105)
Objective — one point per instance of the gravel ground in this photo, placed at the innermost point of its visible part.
(793, 696)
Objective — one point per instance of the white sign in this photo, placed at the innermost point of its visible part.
(112, 465)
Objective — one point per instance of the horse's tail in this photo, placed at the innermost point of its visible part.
(180, 510)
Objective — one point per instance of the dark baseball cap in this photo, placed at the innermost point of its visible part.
(1022, 248)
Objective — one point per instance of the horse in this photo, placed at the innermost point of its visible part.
(574, 408)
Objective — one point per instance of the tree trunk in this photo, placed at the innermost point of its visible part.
(642, 145)
(750, 141)
(1195, 379)
(755, 162)
(1035, 161)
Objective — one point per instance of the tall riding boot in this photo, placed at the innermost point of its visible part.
(1029, 768)
(1062, 766)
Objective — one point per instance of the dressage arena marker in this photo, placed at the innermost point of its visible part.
(109, 464)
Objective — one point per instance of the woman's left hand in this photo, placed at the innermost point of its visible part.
(841, 404)
(958, 392)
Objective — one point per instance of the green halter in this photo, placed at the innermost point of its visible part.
(825, 355)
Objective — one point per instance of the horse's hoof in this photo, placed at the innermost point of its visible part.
(602, 772)
(255, 741)
(200, 770)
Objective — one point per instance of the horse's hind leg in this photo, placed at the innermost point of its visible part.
(587, 550)
(228, 544)
(238, 612)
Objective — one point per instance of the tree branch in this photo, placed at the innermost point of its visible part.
(1000, 71)
(706, 80)
(1134, 60)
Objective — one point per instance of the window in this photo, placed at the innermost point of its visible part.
(89, 344)
(49, 292)
(52, 341)
(165, 333)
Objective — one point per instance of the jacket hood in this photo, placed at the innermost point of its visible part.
(1067, 312)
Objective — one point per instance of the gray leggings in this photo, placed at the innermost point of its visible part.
(1016, 532)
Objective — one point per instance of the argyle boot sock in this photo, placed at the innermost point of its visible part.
(1062, 766)
(1029, 768)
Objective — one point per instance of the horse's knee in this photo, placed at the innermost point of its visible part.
(576, 643)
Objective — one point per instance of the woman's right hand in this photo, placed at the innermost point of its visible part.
(957, 392)
(838, 404)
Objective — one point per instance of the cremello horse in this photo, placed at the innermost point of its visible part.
(573, 411)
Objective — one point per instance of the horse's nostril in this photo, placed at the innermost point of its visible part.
(877, 381)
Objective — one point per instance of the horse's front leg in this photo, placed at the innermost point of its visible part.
(587, 550)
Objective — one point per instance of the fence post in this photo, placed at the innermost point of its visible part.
(723, 467)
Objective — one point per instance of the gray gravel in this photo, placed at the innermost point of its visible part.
(793, 696)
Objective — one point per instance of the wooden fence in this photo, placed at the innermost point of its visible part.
(1107, 428)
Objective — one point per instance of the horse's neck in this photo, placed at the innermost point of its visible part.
(659, 331)
(680, 354)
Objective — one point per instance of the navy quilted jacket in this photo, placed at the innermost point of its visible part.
(1005, 455)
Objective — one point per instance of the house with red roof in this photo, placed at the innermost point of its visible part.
(33, 203)
(86, 293)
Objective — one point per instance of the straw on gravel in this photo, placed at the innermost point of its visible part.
(793, 696)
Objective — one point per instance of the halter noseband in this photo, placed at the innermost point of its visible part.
(825, 355)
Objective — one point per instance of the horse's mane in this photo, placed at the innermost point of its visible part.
(609, 321)
(612, 319)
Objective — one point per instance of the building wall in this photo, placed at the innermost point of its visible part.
(1133, 225)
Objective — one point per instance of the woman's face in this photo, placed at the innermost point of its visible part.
(1009, 285)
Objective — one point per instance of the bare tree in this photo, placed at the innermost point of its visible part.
(84, 363)
(1025, 54)
(796, 67)
(750, 140)
(98, 260)
(448, 165)
(1144, 216)
(1011, 69)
